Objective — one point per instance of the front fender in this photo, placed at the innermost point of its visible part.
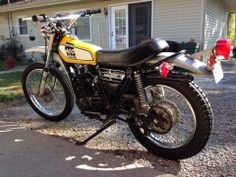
(194, 66)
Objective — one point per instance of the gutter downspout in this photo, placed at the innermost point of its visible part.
(11, 31)
(9, 24)
(13, 34)
(9, 14)
(204, 8)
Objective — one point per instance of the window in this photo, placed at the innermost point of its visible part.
(82, 28)
(22, 27)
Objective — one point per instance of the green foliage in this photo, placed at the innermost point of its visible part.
(2, 2)
(10, 49)
(231, 28)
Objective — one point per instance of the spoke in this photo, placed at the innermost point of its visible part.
(185, 127)
(51, 102)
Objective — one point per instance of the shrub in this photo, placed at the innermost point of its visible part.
(10, 49)
(234, 52)
(6, 1)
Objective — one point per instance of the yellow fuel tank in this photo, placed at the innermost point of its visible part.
(73, 50)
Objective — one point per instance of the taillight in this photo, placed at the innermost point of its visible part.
(222, 49)
(165, 68)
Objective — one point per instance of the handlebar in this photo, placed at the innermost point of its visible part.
(40, 18)
(52, 23)
(91, 12)
(43, 17)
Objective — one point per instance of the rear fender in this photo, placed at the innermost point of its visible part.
(186, 62)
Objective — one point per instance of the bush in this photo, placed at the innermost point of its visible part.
(3, 2)
(234, 52)
(6, 1)
(10, 49)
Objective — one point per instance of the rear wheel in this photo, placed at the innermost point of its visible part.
(179, 124)
(58, 99)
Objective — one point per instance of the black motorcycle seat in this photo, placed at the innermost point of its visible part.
(133, 56)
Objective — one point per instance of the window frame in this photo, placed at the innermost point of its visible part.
(18, 27)
(90, 23)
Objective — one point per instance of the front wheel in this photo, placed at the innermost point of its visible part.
(58, 99)
(179, 123)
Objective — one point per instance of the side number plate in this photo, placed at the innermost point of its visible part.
(218, 72)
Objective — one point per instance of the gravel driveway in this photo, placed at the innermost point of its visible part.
(217, 159)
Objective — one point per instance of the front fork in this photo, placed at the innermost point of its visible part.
(46, 67)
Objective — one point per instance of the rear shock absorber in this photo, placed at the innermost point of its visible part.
(142, 96)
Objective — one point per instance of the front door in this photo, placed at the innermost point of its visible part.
(119, 27)
(140, 23)
(130, 24)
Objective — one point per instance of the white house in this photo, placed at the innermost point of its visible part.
(125, 23)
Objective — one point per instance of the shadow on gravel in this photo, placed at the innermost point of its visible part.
(129, 164)
(53, 157)
(92, 162)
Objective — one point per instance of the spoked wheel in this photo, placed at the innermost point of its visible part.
(179, 123)
(57, 101)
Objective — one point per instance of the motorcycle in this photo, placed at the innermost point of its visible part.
(165, 110)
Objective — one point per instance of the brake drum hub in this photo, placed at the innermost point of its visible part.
(164, 116)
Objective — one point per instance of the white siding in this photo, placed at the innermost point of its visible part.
(178, 20)
(4, 30)
(215, 22)
(99, 37)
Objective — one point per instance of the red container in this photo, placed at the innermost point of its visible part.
(222, 49)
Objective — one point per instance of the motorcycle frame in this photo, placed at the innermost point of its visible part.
(188, 62)
(150, 74)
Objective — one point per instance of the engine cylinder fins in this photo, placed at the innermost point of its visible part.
(111, 75)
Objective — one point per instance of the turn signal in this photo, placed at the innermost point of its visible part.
(211, 62)
(165, 68)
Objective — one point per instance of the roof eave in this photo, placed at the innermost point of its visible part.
(32, 5)
(231, 5)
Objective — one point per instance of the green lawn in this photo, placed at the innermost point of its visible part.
(10, 87)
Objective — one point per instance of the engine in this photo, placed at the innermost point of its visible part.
(90, 97)
(111, 75)
(94, 89)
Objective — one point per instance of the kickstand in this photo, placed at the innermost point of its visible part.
(107, 123)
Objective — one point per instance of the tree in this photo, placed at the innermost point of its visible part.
(232, 28)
